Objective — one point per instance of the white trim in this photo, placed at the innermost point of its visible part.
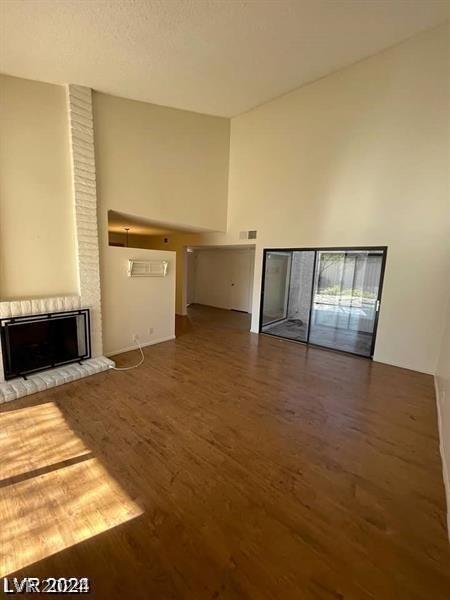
(135, 347)
(445, 470)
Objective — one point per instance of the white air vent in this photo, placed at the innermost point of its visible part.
(248, 235)
(147, 268)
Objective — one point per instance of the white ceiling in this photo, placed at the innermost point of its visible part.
(220, 57)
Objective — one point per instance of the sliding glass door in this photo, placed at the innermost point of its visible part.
(326, 297)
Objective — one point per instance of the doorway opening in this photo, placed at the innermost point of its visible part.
(220, 277)
(328, 297)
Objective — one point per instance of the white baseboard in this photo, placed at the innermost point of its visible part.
(445, 471)
(136, 347)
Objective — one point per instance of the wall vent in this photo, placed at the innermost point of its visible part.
(248, 235)
(147, 268)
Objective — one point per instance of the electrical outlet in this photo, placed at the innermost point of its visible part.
(150, 330)
(135, 337)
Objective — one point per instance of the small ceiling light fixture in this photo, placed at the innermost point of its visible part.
(127, 229)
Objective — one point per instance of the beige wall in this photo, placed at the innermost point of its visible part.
(212, 278)
(136, 305)
(37, 236)
(223, 277)
(161, 163)
(443, 400)
(177, 244)
(359, 158)
(134, 240)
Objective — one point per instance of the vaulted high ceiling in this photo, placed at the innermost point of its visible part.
(220, 57)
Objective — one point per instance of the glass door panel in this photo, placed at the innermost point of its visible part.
(345, 300)
(293, 321)
(300, 289)
(276, 287)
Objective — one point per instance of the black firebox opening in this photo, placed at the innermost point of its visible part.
(37, 342)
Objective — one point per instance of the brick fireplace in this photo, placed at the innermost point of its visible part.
(80, 123)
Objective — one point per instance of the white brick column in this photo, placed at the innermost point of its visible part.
(81, 128)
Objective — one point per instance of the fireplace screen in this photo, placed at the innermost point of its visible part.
(38, 342)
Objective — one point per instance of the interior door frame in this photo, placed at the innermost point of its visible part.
(250, 252)
(382, 249)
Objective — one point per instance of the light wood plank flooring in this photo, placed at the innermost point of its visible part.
(229, 465)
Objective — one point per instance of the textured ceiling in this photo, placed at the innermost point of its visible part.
(220, 57)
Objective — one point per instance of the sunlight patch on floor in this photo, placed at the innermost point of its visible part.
(53, 492)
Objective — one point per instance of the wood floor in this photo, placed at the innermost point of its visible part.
(229, 465)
